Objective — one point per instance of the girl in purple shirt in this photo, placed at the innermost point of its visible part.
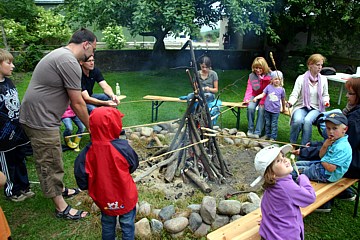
(282, 199)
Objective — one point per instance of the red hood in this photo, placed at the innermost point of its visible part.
(105, 124)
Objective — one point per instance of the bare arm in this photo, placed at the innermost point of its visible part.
(108, 91)
(215, 89)
(283, 105)
(2, 179)
(79, 106)
(328, 166)
(325, 146)
(261, 95)
(90, 100)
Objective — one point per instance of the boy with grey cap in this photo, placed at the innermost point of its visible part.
(335, 153)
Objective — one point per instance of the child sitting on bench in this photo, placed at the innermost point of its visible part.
(282, 199)
(335, 153)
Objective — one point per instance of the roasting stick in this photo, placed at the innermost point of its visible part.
(292, 157)
(273, 62)
(175, 150)
(135, 126)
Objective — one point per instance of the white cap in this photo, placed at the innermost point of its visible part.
(276, 74)
(265, 157)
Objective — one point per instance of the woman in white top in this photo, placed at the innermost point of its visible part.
(309, 98)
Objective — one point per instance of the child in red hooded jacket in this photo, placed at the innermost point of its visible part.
(104, 167)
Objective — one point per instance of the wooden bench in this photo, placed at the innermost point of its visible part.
(248, 226)
(158, 100)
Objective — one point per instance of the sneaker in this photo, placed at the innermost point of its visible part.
(28, 193)
(265, 137)
(347, 195)
(272, 139)
(326, 208)
(256, 136)
(249, 134)
(17, 198)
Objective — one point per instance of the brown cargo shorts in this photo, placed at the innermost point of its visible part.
(47, 152)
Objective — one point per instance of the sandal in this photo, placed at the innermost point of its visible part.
(66, 214)
(66, 194)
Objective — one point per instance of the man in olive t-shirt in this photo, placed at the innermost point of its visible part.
(56, 82)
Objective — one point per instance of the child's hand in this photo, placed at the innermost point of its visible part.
(254, 100)
(329, 141)
(296, 152)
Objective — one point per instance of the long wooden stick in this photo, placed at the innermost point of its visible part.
(260, 140)
(135, 126)
(179, 149)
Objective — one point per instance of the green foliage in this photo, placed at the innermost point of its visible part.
(333, 27)
(114, 37)
(16, 34)
(50, 28)
(157, 17)
(28, 58)
(46, 28)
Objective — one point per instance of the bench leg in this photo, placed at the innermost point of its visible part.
(155, 110)
(236, 113)
(357, 200)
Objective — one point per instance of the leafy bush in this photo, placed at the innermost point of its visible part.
(48, 29)
(16, 34)
(27, 60)
(114, 37)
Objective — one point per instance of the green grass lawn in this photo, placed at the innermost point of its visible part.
(34, 218)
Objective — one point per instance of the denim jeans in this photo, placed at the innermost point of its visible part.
(302, 120)
(69, 127)
(251, 109)
(314, 170)
(127, 223)
(99, 96)
(271, 124)
(208, 96)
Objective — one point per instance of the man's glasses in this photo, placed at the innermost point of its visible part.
(92, 60)
(351, 93)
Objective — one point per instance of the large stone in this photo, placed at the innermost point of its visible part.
(229, 141)
(208, 209)
(135, 136)
(220, 220)
(143, 229)
(234, 217)
(254, 198)
(241, 134)
(229, 207)
(156, 226)
(146, 131)
(195, 221)
(194, 207)
(167, 212)
(248, 207)
(157, 129)
(233, 131)
(202, 231)
(144, 209)
(176, 225)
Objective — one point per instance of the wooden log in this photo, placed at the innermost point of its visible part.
(204, 158)
(158, 142)
(198, 181)
(153, 168)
